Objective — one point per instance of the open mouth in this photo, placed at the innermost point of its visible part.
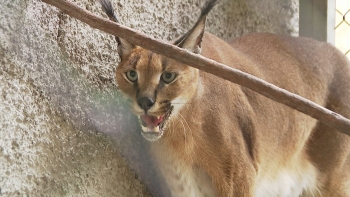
(153, 126)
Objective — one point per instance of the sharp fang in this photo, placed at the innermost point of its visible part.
(158, 117)
(156, 129)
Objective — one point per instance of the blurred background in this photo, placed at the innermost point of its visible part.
(342, 26)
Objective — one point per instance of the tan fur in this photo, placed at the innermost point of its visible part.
(225, 140)
(239, 137)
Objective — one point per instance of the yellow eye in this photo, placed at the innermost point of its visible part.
(131, 75)
(168, 77)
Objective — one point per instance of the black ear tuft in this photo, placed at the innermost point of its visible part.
(108, 8)
(206, 9)
(193, 38)
(124, 47)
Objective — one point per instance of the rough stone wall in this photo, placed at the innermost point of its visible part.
(64, 130)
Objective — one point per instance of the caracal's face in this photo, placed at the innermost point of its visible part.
(157, 88)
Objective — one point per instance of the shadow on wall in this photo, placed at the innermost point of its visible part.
(30, 50)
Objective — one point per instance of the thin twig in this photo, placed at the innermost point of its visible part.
(260, 86)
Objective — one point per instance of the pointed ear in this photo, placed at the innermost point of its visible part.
(193, 38)
(124, 47)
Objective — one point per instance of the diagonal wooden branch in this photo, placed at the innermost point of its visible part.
(260, 86)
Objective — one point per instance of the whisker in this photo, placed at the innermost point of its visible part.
(188, 126)
(178, 117)
(186, 123)
(183, 126)
(173, 127)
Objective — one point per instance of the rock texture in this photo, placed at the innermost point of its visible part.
(64, 128)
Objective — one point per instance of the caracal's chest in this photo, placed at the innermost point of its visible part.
(183, 179)
(186, 179)
(292, 182)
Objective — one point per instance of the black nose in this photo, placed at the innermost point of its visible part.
(145, 103)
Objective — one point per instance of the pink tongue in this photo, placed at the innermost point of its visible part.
(151, 121)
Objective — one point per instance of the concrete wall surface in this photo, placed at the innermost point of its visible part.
(64, 130)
